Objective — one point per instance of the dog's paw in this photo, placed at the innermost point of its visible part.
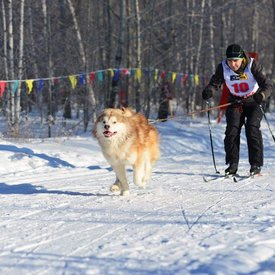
(141, 184)
(114, 188)
(125, 193)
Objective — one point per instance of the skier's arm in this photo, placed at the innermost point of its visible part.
(214, 84)
(265, 84)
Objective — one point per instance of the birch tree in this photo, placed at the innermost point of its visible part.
(5, 38)
(255, 28)
(119, 51)
(20, 69)
(138, 51)
(273, 46)
(47, 37)
(11, 73)
(211, 37)
(89, 91)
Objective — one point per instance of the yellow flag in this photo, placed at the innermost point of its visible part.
(29, 83)
(197, 79)
(111, 72)
(73, 81)
(174, 75)
(138, 74)
(156, 74)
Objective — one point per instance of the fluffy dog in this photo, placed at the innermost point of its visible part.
(127, 138)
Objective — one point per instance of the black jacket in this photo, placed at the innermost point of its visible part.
(265, 85)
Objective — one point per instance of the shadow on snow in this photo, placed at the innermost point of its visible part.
(53, 161)
(28, 189)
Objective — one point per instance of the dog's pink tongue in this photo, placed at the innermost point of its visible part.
(107, 134)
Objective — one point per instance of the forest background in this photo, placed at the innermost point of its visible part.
(64, 61)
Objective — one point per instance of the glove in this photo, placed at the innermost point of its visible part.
(259, 97)
(207, 93)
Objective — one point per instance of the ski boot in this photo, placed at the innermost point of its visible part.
(231, 169)
(255, 169)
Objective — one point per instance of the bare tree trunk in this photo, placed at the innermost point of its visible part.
(119, 53)
(255, 28)
(20, 69)
(224, 39)
(11, 41)
(90, 101)
(211, 37)
(109, 45)
(138, 54)
(189, 52)
(47, 37)
(34, 58)
(78, 34)
(11, 99)
(5, 50)
(90, 93)
(199, 48)
(273, 63)
(5, 38)
(165, 105)
(129, 54)
(151, 92)
(67, 108)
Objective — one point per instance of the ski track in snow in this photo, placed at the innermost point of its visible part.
(58, 217)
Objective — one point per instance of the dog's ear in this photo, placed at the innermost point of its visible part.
(127, 112)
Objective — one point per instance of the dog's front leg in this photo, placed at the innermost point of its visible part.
(147, 174)
(121, 181)
(139, 174)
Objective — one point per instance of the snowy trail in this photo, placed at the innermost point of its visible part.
(58, 217)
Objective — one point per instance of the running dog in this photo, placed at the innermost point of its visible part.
(127, 138)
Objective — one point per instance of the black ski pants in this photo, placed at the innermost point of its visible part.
(250, 115)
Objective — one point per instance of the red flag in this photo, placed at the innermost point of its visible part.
(92, 77)
(2, 87)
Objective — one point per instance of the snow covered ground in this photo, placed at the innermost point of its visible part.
(58, 217)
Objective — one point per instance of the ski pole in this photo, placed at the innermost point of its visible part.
(211, 140)
(267, 122)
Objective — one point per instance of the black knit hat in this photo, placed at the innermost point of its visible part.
(234, 51)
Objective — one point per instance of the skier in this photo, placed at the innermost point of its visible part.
(249, 87)
(165, 101)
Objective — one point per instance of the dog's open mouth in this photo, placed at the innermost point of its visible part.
(108, 133)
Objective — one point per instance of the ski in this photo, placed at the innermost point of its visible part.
(235, 177)
(249, 177)
(220, 177)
